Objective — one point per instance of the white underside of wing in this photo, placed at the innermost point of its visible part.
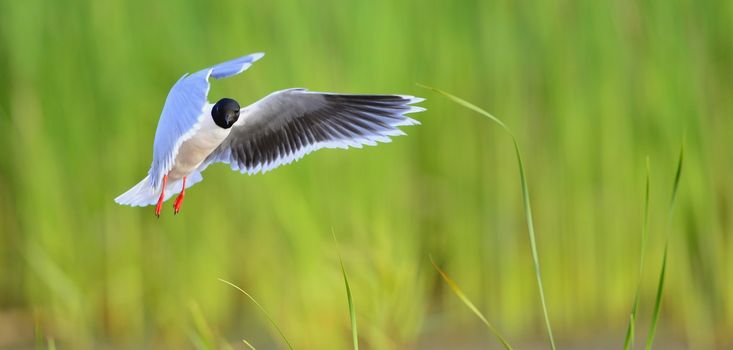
(170, 161)
(265, 167)
(145, 193)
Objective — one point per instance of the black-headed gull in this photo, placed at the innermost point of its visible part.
(278, 129)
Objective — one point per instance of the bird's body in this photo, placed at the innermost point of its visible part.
(194, 151)
(278, 129)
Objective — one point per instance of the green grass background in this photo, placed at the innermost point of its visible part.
(589, 87)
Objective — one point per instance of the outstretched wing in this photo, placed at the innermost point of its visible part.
(184, 110)
(288, 124)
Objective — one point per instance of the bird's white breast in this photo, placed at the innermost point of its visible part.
(194, 151)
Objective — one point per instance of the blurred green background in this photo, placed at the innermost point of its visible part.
(591, 88)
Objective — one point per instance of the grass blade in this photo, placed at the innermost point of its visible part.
(352, 310)
(660, 287)
(632, 324)
(644, 235)
(657, 302)
(468, 105)
(533, 242)
(204, 336)
(677, 176)
(248, 344)
(39, 336)
(458, 292)
(282, 335)
(525, 198)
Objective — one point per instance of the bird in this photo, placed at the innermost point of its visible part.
(279, 129)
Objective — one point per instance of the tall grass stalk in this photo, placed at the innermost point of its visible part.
(282, 335)
(630, 330)
(662, 273)
(525, 198)
(349, 298)
(458, 292)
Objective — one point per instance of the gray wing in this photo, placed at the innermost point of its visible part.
(184, 110)
(288, 124)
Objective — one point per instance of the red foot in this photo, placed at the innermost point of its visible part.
(162, 197)
(179, 199)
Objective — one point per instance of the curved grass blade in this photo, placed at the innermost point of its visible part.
(660, 287)
(468, 105)
(248, 344)
(352, 310)
(458, 292)
(644, 235)
(677, 176)
(525, 198)
(203, 336)
(282, 335)
(533, 243)
(657, 302)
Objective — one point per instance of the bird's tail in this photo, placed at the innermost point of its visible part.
(144, 194)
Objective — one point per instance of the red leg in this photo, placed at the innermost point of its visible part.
(162, 197)
(179, 199)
